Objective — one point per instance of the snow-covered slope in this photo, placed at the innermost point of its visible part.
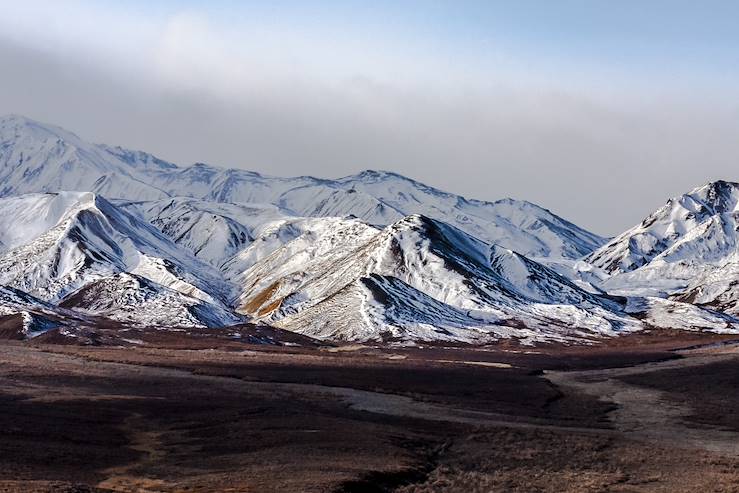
(380, 198)
(87, 239)
(212, 231)
(688, 238)
(38, 158)
(717, 288)
(136, 300)
(671, 314)
(419, 279)
(515, 224)
(33, 315)
(699, 225)
(27, 217)
(292, 251)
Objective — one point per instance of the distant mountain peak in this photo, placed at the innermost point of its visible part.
(17, 119)
(19, 123)
(377, 174)
(721, 196)
(687, 237)
(34, 162)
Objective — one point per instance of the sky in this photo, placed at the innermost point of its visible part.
(597, 110)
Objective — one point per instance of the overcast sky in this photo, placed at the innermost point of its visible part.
(597, 110)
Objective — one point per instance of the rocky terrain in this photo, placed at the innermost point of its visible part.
(166, 415)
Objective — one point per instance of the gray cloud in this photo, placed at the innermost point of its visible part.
(603, 163)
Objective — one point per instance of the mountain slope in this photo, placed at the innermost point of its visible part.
(136, 300)
(22, 315)
(88, 238)
(212, 231)
(697, 225)
(381, 198)
(420, 279)
(717, 288)
(515, 224)
(35, 157)
(688, 238)
(676, 315)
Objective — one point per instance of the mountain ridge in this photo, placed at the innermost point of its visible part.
(49, 159)
(374, 256)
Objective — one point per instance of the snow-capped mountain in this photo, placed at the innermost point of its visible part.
(381, 198)
(687, 239)
(305, 248)
(89, 238)
(58, 244)
(369, 257)
(35, 157)
(696, 225)
(420, 279)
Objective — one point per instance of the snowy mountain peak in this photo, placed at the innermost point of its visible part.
(418, 232)
(677, 231)
(17, 127)
(412, 221)
(59, 242)
(417, 279)
(373, 176)
(719, 196)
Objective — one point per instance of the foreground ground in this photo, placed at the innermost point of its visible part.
(632, 416)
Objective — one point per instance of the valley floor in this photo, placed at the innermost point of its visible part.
(633, 416)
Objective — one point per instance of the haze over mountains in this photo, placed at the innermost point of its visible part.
(92, 233)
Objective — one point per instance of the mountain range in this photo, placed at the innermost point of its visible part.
(93, 234)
